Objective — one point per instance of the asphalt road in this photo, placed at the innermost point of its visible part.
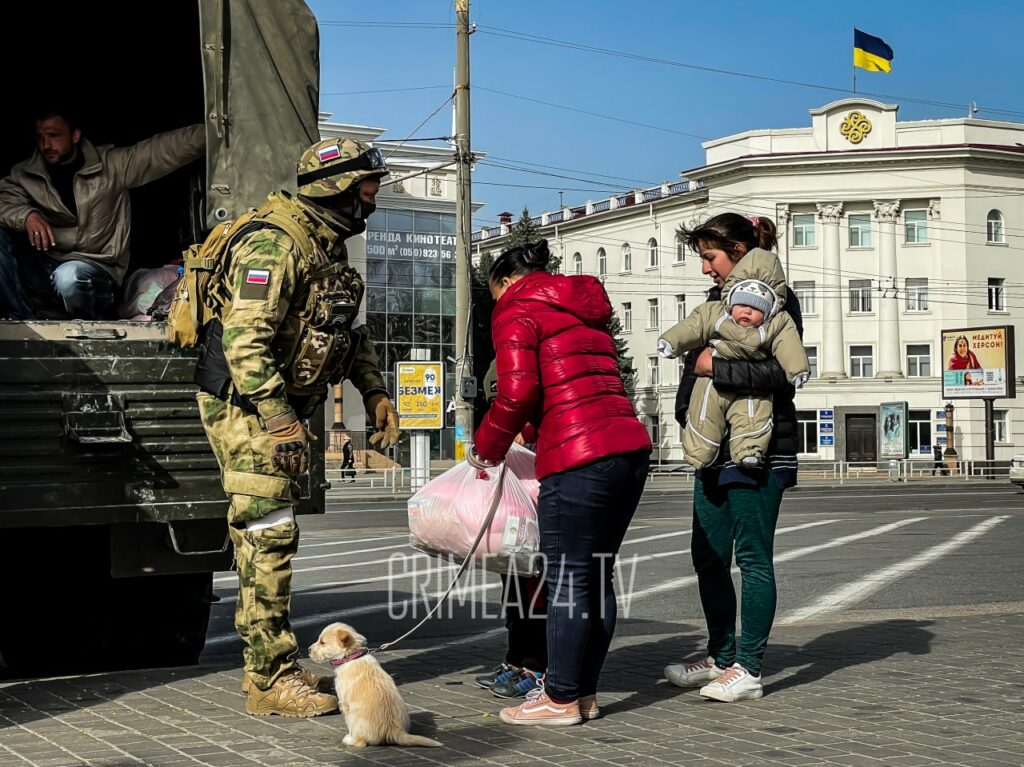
(849, 554)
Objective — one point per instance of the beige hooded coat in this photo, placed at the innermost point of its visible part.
(746, 419)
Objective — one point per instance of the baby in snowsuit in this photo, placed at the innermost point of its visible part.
(746, 324)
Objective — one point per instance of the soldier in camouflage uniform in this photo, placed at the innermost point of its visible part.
(284, 334)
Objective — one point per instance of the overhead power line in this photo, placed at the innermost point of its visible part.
(550, 41)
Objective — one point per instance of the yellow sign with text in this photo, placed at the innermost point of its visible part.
(420, 395)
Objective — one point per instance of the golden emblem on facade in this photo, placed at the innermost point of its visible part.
(855, 127)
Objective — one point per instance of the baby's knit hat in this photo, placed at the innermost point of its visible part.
(756, 294)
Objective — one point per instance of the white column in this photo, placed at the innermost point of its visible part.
(833, 350)
(890, 361)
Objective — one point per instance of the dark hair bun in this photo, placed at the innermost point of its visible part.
(537, 253)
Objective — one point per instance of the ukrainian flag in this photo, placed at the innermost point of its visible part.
(871, 53)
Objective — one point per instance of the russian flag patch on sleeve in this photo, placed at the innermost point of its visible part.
(257, 277)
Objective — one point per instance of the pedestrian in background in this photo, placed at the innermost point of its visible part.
(558, 370)
(734, 509)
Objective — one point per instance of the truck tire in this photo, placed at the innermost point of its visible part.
(69, 616)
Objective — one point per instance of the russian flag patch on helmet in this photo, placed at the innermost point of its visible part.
(327, 153)
(257, 277)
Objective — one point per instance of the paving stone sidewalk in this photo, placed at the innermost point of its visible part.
(892, 692)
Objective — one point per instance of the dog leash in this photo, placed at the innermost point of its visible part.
(495, 500)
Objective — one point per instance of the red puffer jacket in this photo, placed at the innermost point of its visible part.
(557, 369)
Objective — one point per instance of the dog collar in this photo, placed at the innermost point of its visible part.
(352, 656)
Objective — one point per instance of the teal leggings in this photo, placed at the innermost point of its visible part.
(743, 518)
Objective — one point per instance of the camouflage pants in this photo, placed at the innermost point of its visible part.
(262, 557)
(264, 562)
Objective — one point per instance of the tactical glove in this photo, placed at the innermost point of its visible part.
(289, 441)
(385, 420)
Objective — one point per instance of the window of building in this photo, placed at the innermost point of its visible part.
(860, 230)
(654, 429)
(652, 253)
(680, 253)
(804, 290)
(680, 364)
(915, 223)
(627, 257)
(994, 227)
(627, 317)
(653, 370)
(919, 360)
(860, 296)
(917, 294)
(652, 314)
(996, 294)
(602, 262)
(577, 263)
(920, 432)
(1001, 425)
(807, 430)
(680, 307)
(862, 362)
(812, 359)
(803, 230)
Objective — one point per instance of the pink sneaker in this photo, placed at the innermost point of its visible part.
(538, 708)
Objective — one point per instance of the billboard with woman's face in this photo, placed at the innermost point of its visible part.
(977, 363)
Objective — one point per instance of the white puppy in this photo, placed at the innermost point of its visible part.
(375, 713)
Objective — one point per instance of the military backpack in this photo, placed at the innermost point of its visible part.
(202, 291)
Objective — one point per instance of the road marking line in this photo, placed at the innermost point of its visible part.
(343, 614)
(416, 555)
(348, 543)
(680, 583)
(860, 590)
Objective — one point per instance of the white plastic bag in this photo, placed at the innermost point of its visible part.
(446, 514)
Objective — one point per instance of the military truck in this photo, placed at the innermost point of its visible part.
(112, 518)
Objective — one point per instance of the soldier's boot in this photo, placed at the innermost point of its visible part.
(311, 679)
(289, 696)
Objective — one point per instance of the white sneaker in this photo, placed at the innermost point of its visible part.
(693, 674)
(735, 684)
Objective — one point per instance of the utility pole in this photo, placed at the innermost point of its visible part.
(463, 229)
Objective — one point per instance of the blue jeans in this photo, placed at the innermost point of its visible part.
(583, 515)
(31, 280)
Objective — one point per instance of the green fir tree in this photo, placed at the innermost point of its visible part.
(626, 369)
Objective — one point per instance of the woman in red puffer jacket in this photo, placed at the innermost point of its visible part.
(558, 371)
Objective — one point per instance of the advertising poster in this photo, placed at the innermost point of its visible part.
(977, 363)
(420, 395)
(893, 417)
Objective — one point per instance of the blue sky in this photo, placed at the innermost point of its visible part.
(946, 51)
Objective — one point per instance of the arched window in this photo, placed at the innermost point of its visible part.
(602, 262)
(627, 257)
(652, 252)
(995, 227)
(577, 263)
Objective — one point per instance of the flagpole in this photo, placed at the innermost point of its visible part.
(855, 63)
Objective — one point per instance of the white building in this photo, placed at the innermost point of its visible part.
(889, 232)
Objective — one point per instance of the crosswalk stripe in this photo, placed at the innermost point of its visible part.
(855, 592)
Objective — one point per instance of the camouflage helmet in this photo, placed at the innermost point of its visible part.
(334, 165)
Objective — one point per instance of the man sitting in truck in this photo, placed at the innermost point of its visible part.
(65, 216)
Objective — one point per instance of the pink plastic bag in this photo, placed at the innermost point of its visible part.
(446, 514)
